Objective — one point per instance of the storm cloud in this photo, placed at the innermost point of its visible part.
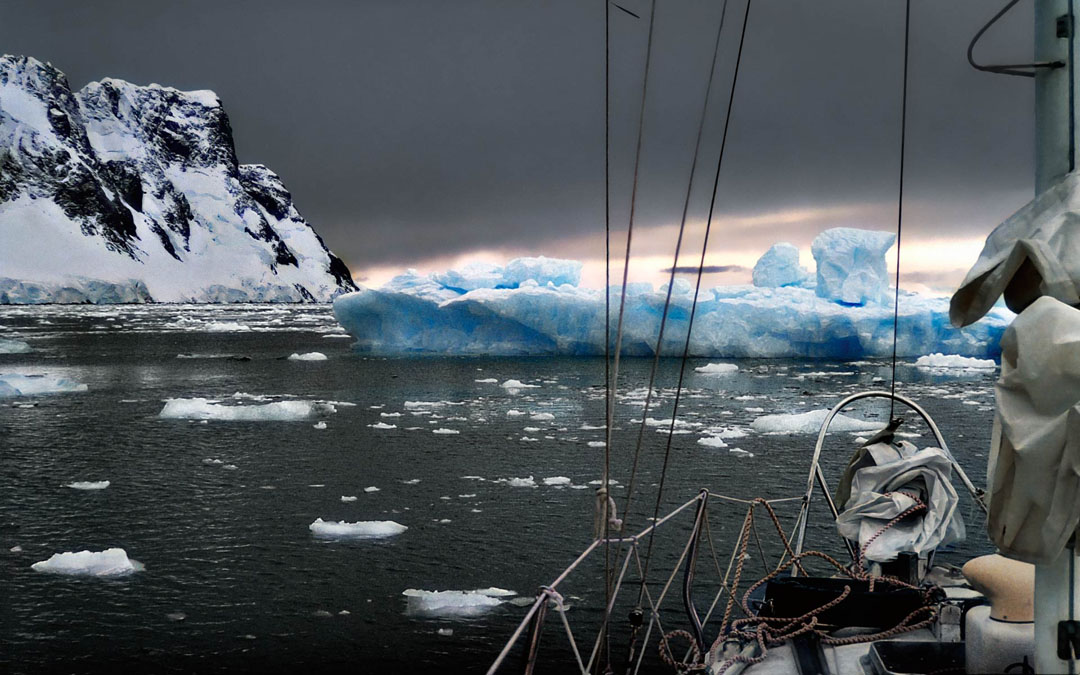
(413, 129)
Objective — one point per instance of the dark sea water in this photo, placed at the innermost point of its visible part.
(235, 582)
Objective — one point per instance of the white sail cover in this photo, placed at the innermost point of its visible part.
(1034, 470)
(1036, 252)
(884, 482)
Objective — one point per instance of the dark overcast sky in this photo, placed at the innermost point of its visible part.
(409, 129)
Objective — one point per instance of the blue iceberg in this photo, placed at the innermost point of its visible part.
(534, 306)
(780, 267)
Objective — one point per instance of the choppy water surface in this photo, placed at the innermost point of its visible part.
(234, 579)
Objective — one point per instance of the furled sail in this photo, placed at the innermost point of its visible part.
(1034, 253)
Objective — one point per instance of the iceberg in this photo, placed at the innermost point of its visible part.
(366, 529)
(13, 346)
(278, 411)
(848, 315)
(717, 369)
(310, 356)
(13, 384)
(459, 603)
(851, 264)
(953, 362)
(779, 267)
(810, 423)
(112, 562)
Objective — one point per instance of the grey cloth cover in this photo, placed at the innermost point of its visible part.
(1036, 252)
(879, 481)
(1034, 469)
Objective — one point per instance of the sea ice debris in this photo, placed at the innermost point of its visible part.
(111, 562)
(88, 484)
(365, 529)
(309, 356)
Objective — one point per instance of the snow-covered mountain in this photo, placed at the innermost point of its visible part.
(127, 193)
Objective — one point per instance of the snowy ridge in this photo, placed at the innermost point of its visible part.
(127, 193)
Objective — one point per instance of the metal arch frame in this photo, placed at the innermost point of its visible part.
(817, 475)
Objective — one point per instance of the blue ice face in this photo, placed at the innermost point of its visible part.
(851, 265)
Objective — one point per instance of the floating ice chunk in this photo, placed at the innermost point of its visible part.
(319, 425)
(440, 430)
(809, 423)
(519, 482)
(371, 488)
(223, 327)
(718, 369)
(739, 452)
(393, 414)
(12, 384)
(779, 266)
(309, 356)
(454, 603)
(13, 346)
(412, 481)
(851, 265)
(952, 362)
(88, 484)
(597, 444)
(210, 461)
(541, 417)
(712, 442)
(514, 413)
(278, 411)
(531, 430)
(382, 425)
(423, 405)
(557, 480)
(530, 439)
(365, 529)
(590, 427)
(445, 632)
(725, 432)
(488, 380)
(511, 385)
(230, 467)
(348, 498)
(111, 562)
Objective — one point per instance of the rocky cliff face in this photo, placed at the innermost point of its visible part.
(124, 186)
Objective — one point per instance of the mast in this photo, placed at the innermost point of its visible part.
(1057, 585)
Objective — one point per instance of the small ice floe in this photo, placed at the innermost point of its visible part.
(364, 529)
(809, 423)
(348, 498)
(517, 385)
(176, 616)
(15, 549)
(225, 327)
(597, 444)
(454, 603)
(518, 482)
(442, 521)
(529, 439)
(712, 442)
(212, 461)
(473, 478)
(309, 356)
(487, 380)
(442, 430)
(88, 484)
(541, 417)
(590, 427)
(611, 481)
(754, 410)
(531, 430)
(557, 480)
(13, 346)
(411, 481)
(322, 614)
(278, 411)
(739, 452)
(344, 612)
(13, 384)
(423, 405)
(717, 369)
(393, 414)
(371, 488)
(953, 362)
(319, 425)
(469, 496)
(514, 413)
(230, 467)
(725, 432)
(445, 632)
(112, 562)
(382, 425)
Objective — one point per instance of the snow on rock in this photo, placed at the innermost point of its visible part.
(12, 384)
(88, 484)
(13, 346)
(851, 265)
(365, 529)
(809, 423)
(112, 562)
(717, 369)
(278, 411)
(953, 362)
(779, 266)
(848, 316)
(310, 356)
(139, 187)
(454, 603)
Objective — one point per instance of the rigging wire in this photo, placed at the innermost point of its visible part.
(607, 275)
(671, 280)
(900, 204)
(697, 291)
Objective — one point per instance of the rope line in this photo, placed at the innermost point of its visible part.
(900, 207)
